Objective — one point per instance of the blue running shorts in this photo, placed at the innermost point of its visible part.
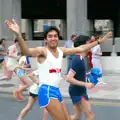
(47, 92)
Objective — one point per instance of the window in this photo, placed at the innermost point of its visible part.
(52, 22)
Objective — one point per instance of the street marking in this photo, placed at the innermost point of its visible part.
(101, 103)
(93, 102)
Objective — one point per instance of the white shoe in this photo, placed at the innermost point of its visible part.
(101, 82)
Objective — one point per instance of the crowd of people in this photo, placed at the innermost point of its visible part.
(49, 58)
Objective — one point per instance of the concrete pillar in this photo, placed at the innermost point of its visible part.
(71, 18)
(28, 29)
(23, 22)
(91, 27)
(9, 9)
(63, 29)
(1, 19)
(77, 22)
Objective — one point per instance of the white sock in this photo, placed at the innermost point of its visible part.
(19, 118)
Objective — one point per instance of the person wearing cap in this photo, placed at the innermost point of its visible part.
(78, 85)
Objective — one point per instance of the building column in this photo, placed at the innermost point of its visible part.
(1, 19)
(9, 9)
(63, 29)
(77, 22)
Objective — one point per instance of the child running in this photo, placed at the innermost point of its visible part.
(33, 94)
(22, 74)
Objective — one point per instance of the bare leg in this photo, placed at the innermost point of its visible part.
(56, 110)
(8, 76)
(77, 112)
(4, 68)
(32, 77)
(87, 109)
(22, 87)
(24, 84)
(66, 111)
(28, 107)
(45, 114)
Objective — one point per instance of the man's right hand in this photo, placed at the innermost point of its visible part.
(13, 26)
(89, 85)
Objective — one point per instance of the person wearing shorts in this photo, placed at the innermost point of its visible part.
(50, 60)
(33, 96)
(77, 79)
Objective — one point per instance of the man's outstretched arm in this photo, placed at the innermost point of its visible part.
(83, 48)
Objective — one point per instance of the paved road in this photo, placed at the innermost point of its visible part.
(109, 91)
(9, 109)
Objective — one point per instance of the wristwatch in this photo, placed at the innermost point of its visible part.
(98, 41)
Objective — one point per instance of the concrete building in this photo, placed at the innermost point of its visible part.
(76, 21)
(74, 16)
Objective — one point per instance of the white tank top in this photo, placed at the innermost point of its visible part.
(50, 70)
(12, 63)
(95, 50)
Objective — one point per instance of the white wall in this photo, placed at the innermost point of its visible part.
(111, 64)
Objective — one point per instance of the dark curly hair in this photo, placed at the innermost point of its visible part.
(81, 40)
(1, 40)
(49, 29)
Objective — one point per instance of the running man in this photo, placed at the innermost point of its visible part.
(77, 79)
(50, 64)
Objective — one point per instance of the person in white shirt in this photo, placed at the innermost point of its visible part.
(49, 95)
(96, 55)
(12, 60)
(21, 71)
